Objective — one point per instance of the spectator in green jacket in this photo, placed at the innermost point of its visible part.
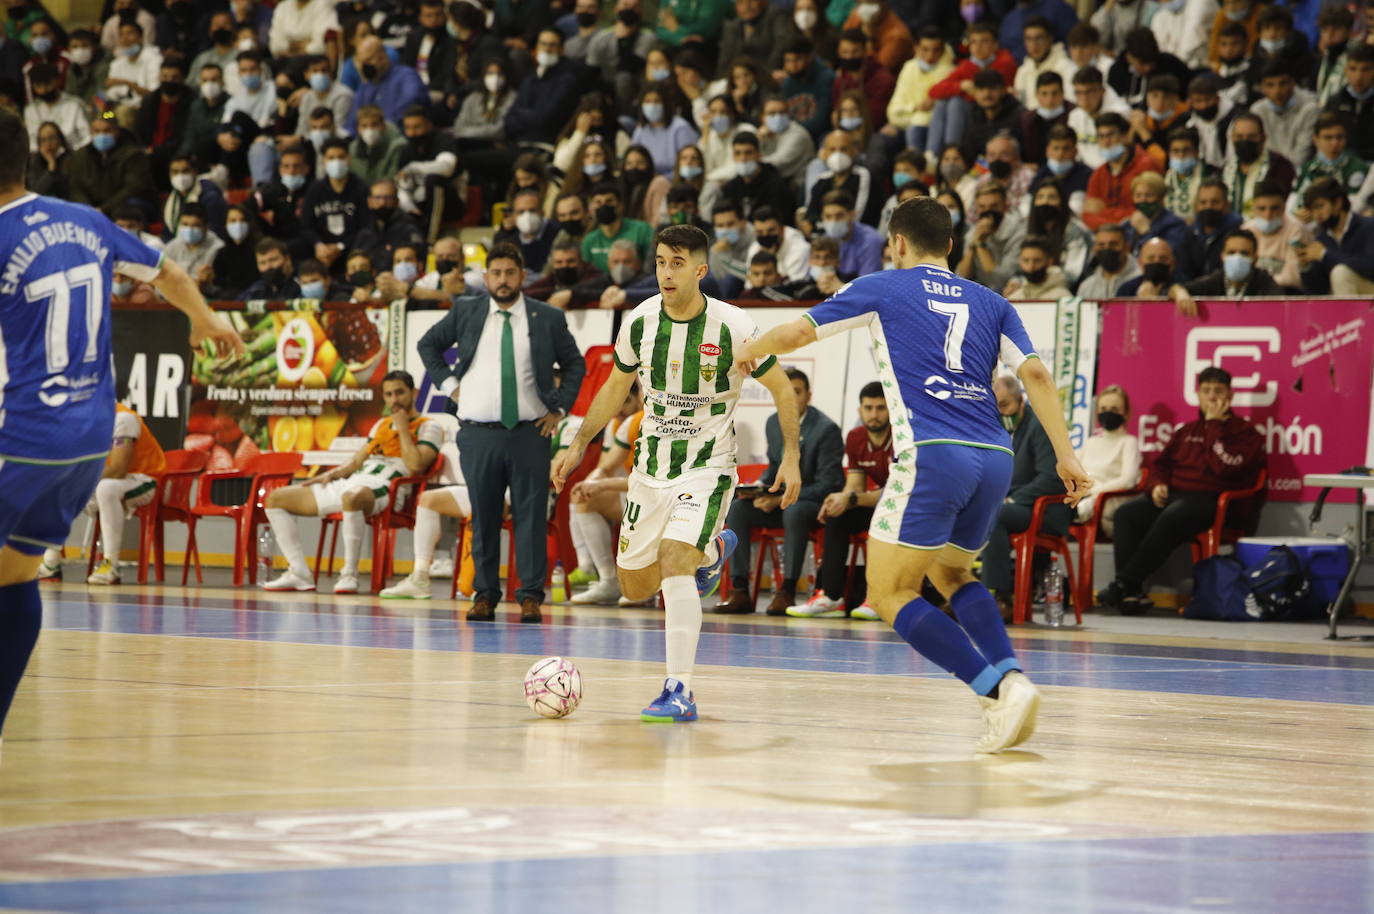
(376, 151)
(681, 21)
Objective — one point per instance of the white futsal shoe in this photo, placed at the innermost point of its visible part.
(289, 580)
(818, 607)
(602, 593)
(1010, 719)
(408, 589)
(865, 611)
(347, 583)
(441, 566)
(105, 573)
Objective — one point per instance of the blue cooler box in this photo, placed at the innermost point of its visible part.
(1326, 559)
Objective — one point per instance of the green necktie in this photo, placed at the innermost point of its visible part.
(510, 406)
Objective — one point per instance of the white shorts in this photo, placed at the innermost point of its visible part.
(691, 510)
(329, 495)
(459, 494)
(136, 490)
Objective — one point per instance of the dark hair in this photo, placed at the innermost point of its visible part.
(311, 267)
(525, 192)
(1361, 53)
(1203, 84)
(254, 56)
(763, 213)
(873, 390)
(196, 210)
(1213, 374)
(296, 149)
(745, 138)
(320, 111)
(682, 192)
(763, 257)
(854, 36)
(1061, 132)
(916, 158)
(126, 212)
(43, 73)
(1038, 22)
(1049, 78)
(1269, 189)
(1335, 17)
(1039, 243)
(728, 205)
(1213, 181)
(1082, 34)
(838, 198)
(1187, 134)
(14, 149)
(1274, 15)
(404, 377)
(687, 238)
(924, 223)
(1242, 233)
(334, 142)
(1088, 76)
(988, 79)
(1113, 120)
(415, 111)
(607, 187)
(1328, 189)
(1328, 119)
(796, 374)
(1252, 118)
(506, 251)
(1163, 82)
(267, 245)
(928, 32)
(1141, 44)
(799, 45)
(983, 27)
(1234, 30)
(1274, 68)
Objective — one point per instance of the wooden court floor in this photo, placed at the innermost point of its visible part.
(211, 750)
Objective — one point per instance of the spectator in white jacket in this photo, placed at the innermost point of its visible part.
(1182, 28)
(1111, 456)
(301, 27)
(785, 243)
(134, 69)
(1043, 55)
(1289, 114)
(50, 103)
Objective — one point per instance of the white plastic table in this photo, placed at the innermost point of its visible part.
(1359, 483)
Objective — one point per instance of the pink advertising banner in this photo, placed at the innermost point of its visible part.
(1302, 372)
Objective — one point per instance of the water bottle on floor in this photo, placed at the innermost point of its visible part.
(264, 554)
(1054, 595)
(560, 584)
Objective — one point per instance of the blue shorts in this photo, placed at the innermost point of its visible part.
(941, 495)
(38, 502)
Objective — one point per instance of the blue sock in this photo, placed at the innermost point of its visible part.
(21, 614)
(980, 616)
(940, 640)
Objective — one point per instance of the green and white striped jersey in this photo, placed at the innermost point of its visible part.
(690, 386)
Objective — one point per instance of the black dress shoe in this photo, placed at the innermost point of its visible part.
(529, 611)
(738, 604)
(482, 610)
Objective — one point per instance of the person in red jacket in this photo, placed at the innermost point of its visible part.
(1108, 200)
(953, 95)
(1205, 457)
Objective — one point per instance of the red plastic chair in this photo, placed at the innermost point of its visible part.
(267, 472)
(1090, 534)
(174, 504)
(600, 364)
(1208, 542)
(399, 514)
(1031, 541)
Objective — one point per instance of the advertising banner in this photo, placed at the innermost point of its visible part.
(307, 378)
(152, 356)
(1301, 373)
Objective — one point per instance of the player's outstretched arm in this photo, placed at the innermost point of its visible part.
(1044, 399)
(608, 400)
(182, 292)
(789, 422)
(781, 340)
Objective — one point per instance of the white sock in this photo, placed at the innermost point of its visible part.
(596, 533)
(427, 530)
(584, 557)
(352, 529)
(288, 540)
(682, 626)
(52, 556)
(109, 497)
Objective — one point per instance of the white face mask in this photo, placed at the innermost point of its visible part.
(371, 135)
(336, 169)
(80, 56)
(838, 161)
(546, 58)
(529, 222)
(211, 90)
(182, 181)
(867, 11)
(247, 44)
(493, 82)
(805, 19)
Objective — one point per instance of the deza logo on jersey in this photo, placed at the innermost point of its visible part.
(708, 369)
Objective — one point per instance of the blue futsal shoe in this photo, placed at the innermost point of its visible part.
(708, 576)
(674, 705)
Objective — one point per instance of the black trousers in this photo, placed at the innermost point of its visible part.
(1145, 535)
(835, 559)
(494, 460)
(796, 522)
(999, 569)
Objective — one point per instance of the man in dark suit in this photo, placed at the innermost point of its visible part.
(1237, 277)
(511, 346)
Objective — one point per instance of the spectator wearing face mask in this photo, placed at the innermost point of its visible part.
(787, 245)
(88, 65)
(784, 144)
(1042, 55)
(334, 208)
(1004, 167)
(235, 267)
(1278, 236)
(995, 111)
(1238, 275)
(1164, 111)
(1141, 61)
(861, 247)
(1336, 29)
(1049, 110)
(546, 94)
(1332, 160)
(187, 188)
(316, 284)
(1281, 47)
(1253, 163)
(275, 280)
(843, 173)
(1232, 65)
(1062, 166)
(206, 112)
(1186, 172)
(1065, 237)
(1211, 118)
(1288, 113)
(884, 31)
(1157, 272)
(607, 204)
(195, 247)
(1093, 98)
(1113, 266)
(219, 30)
(1038, 277)
(1340, 261)
(1243, 14)
(321, 90)
(729, 254)
(625, 285)
(277, 203)
(533, 234)
(375, 153)
(163, 116)
(823, 277)
(756, 183)
(448, 279)
(992, 239)
(427, 165)
(807, 86)
(51, 105)
(569, 280)
(857, 70)
(258, 99)
(1356, 100)
(109, 172)
(134, 70)
(1111, 455)
(387, 228)
(1108, 199)
(1199, 252)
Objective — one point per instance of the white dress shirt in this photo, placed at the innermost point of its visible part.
(479, 398)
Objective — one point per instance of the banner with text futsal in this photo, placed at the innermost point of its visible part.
(1302, 373)
(308, 377)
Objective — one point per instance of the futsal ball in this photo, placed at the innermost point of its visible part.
(553, 687)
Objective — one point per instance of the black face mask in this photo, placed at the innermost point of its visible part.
(274, 277)
(445, 267)
(171, 90)
(383, 214)
(1209, 219)
(586, 20)
(995, 216)
(1209, 113)
(850, 63)
(999, 169)
(1111, 421)
(222, 37)
(360, 277)
(605, 215)
(1158, 273)
(628, 18)
(1246, 150)
(573, 227)
(50, 96)
(1330, 223)
(768, 242)
(1233, 61)
(565, 276)
(635, 175)
(1044, 213)
(1036, 277)
(369, 71)
(1109, 260)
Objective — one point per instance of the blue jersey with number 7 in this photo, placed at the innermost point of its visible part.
(56, 370)
(937, 339)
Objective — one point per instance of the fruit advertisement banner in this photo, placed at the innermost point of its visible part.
(307, 378)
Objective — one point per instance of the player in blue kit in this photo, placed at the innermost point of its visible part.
(937, 339)
(57, 261)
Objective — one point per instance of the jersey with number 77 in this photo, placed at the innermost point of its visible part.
(937, 339)
(56, 374)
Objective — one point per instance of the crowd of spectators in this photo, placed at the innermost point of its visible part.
(1063, 138)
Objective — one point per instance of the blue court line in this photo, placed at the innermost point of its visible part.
(1325, 873)
(1052, 663)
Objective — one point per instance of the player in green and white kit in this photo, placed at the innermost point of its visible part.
(681, 345)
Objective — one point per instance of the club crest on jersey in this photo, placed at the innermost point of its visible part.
(676, 367)
(624, 543)
(708, 371)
